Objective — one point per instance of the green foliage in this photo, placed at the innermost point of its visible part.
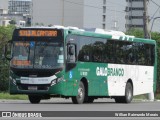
(13, 97)
(135, 32)
(5, 36)
(157, 96)
(13, 22)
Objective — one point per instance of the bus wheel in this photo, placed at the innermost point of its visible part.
(79, 99)
(34, 99)
(128, 95)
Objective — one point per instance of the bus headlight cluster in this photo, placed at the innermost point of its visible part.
(14, 81)
(57, 80)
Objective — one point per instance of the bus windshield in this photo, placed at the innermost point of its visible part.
(38, 55)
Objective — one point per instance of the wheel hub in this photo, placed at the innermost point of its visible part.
(129, 95)
(80, 93)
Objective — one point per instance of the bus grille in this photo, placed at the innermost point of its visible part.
(39, 87)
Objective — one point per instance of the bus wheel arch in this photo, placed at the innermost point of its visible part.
(127, 98)
(87, 99)
(82, 92)
(85, 82)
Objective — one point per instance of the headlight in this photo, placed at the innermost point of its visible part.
(12, 80)
(53, 82)
(57, 80)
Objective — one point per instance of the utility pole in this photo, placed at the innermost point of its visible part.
(146, 35)
(145, 20)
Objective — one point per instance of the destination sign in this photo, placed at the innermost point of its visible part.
(38, 33)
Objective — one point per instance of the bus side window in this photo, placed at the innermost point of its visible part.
(141, 54)
(84, 54)
(110, 51)
(152, 54)
(148, 54)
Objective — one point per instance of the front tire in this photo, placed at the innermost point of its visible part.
(34, 99)
(79, 99)
(128, 94)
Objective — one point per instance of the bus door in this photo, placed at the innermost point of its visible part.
(70, 65)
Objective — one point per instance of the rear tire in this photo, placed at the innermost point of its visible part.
(128, 94)
(79, 99)
(34, 99)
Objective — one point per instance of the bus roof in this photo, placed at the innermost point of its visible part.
(96, 32)
(115, 35)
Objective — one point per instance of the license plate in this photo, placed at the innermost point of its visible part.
(32, 87)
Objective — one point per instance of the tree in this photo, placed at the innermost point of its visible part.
(13, 22)
(135, 32)
(5, 36)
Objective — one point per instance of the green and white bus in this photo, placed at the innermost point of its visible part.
(64, 62)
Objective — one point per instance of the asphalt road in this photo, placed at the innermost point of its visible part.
(58, 104)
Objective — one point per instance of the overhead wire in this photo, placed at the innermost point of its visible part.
(155, 3)
(155, 14)
(156, 10)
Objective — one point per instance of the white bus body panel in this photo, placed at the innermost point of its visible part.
(141, 76)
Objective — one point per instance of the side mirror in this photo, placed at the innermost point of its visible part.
(7, 50)
(71, 50)
(71, 53)
(71, 56)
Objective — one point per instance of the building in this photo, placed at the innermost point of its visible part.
(3, 7)
(17, 18)
(115, 14)
(134, 14)
(15, 10)
(3, 11)
(80, 13)
(106, 14)
(19, 6)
